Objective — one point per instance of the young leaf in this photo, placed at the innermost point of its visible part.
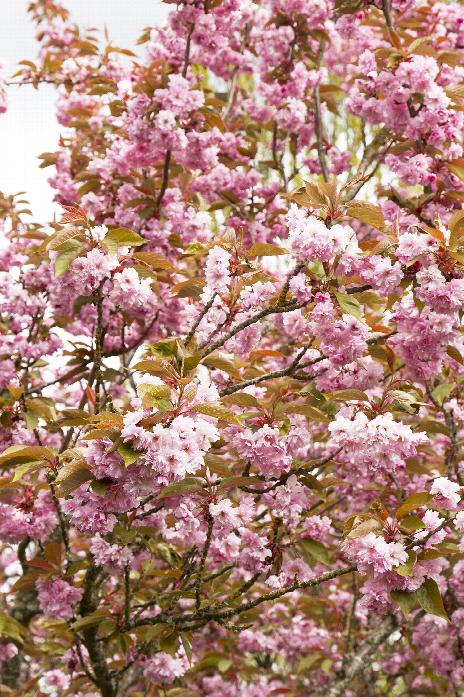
(407, 569)
(121, 237)
(349, 304)
(264, 249)
(317, 550)
(218, 411)
(430, 599)
(406, 601)
(366, 213)
(412, 502)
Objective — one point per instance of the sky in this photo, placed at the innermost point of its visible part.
(29, 127)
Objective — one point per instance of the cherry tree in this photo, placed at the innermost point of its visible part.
(231, 369)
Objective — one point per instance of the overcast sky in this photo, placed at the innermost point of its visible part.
(29, 126)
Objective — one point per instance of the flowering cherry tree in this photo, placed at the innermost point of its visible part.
(231, 371)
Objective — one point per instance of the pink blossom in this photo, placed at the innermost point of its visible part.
(164, 668)
(217, 269)
(56, 597)
(372, 551)
(53, 682)
(446, 493)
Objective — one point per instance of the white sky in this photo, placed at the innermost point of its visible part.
(29, 127)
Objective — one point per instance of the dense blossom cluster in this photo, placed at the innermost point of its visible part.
(231, 404)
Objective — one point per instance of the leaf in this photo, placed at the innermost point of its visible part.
(155, 260)
(317, 550)
(348, 395)
(60, 238)
(307, 410)
(53, 553)
(100, 486)
(72, 475)
(407, 569)
(220, 363)
(11, 628)
(25, 469)
(128, 454)
(433, 232)
(361, 524)
(457, 170)
(456, 226)
(90, 620)
(366, 213)
(121, 237)
(264, 249)
(412, 502)
(453, 352)
(164, 349)
(218, 411)
(238, 481)
(192, 288)
(433, 426)
(18, 454)
(349, 304)
(430, 599)
(441, 392)
(157, 396)
(158, 367)
(418, 45)
(66, 255)
(242, 399)
(74, 214)
(412, 522)
(406, 601)
(187, 644)
(185, 486)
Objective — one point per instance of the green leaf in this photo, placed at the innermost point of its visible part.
(441, 392)
(220, 363)
(155, 396)
(185, 486)
(62, 237)
(66, 255)
(264, 249)
(406, 601)
(242, 399)
(11, 628)
(407, 569)
(367, 213)
(24, 469)
(156, 261)
(453, 352)
(412, 522)
(187, 644)
(430, 599)
(456, 169)
(218, 411)
(169, 643)
(100, 486)
(18, 454)
(128, 454)
(90, 620)
(72, 475)
(307, 410)
(165, 349)
(121, 237)
(433, 426)
(191, 362)
(414, 501)
(348, 395)
(349, 304)
(191, 288)
(317, 550)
